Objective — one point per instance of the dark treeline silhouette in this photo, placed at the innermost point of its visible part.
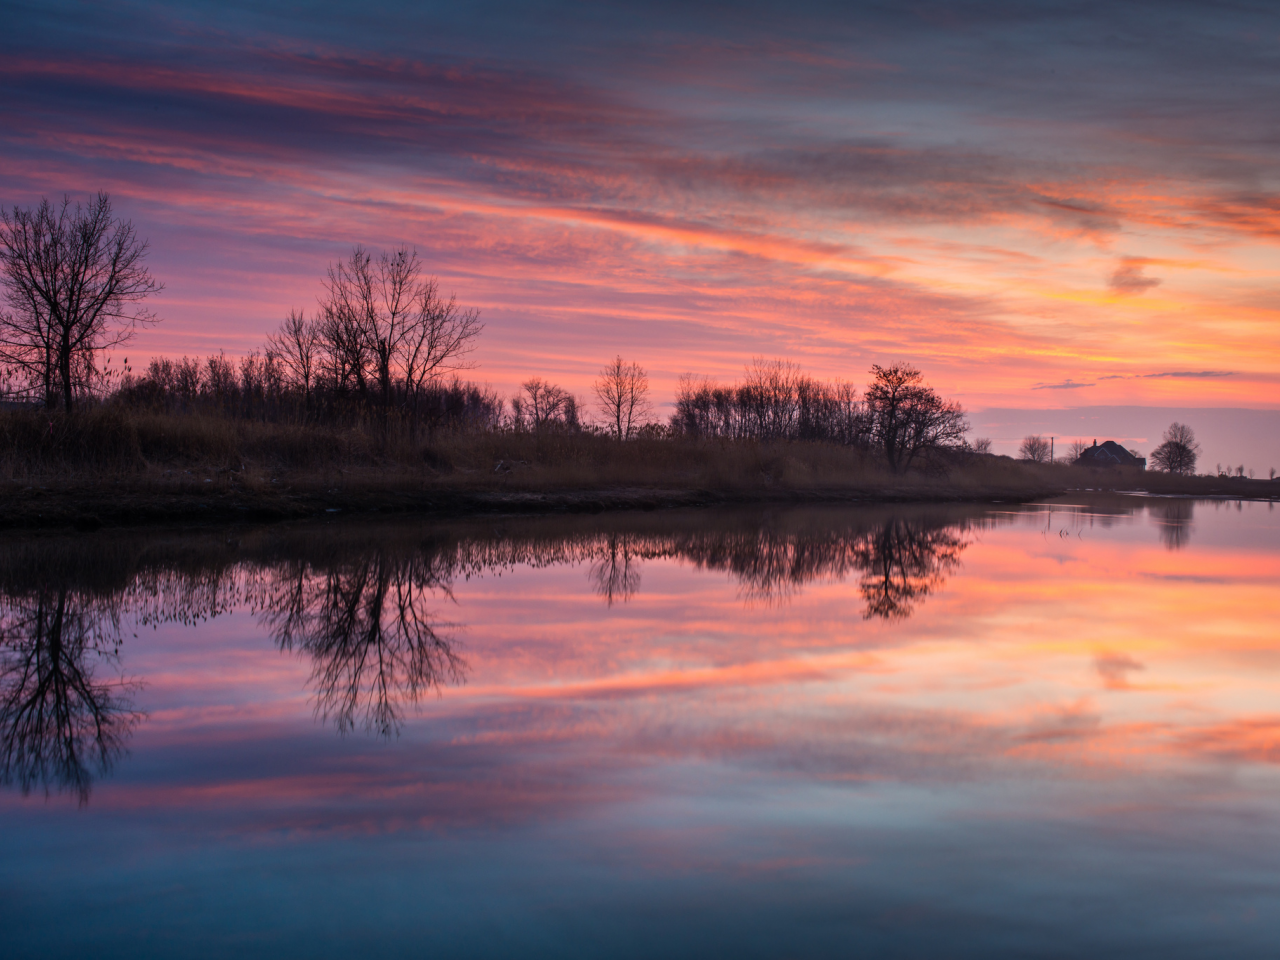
(374, 371)
(774, 401)
(258, 387)
(898, 416)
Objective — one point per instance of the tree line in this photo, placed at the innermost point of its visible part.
(384, 346)
(1177, 452)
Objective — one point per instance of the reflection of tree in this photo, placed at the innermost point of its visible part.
(59, 725)
(902, 559)
(903, 562)
(365, 624)
(1174, 520)
(616, 572)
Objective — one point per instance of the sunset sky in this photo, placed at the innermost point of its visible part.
(1042, 205)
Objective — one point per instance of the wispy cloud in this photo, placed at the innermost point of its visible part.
(1063, 385)
(1171, 375)
(701, 199)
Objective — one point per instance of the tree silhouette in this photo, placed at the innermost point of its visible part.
(1034, 448)
(1179, 451)
(622, 394)
(73, 277)
(909, 417)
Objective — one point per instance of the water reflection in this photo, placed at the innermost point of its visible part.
(363, 603)
(903, 563)
(616, 574)
(368, 626)
(61, 722)
(1173, 519)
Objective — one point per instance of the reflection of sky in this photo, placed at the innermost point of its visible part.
(1042, 204)
(1070, 746)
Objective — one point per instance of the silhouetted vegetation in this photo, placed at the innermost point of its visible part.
(1035, 448)
(366, 393)
(73, 278)
(1179, 451)
(774, 401)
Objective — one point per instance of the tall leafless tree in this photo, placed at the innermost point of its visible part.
(296, 346)
(622, 393)
(383, 325)
(909, 417)
(1179, 451)
(74, 280)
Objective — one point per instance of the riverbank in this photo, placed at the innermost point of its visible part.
(89, 501)
(114, 467)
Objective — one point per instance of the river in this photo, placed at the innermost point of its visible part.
(992, 730)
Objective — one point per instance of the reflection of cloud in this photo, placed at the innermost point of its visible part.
(1128, 277)
(1114, 669)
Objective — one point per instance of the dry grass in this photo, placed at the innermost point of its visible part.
(101, 459)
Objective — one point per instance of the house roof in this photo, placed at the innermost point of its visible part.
(1109, 454)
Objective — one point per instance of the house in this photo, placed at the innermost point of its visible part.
(1109, 454)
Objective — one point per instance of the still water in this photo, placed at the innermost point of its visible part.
(1041, 730)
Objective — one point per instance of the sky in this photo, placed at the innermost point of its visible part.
(1044, 206)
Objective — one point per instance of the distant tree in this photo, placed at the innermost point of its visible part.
(622, 394)
(1178, 452)
(383, 325)
(296, 346)
(1076, 450)
(73, 277)
(544, 406)
(1034, 448)
(982, 445)
(907, 417)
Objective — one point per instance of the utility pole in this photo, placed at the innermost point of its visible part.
(1051, 449)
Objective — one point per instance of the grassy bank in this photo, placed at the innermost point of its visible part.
(116, 466)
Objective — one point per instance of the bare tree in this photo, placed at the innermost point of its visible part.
(1076, 450)
(544, 405)
(296, 346)
(384, 326)
(1034, 448)
(908, 417)
(73, 277)
(982, 445)
(1178, 452)
(622, 393)
(441, 339)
